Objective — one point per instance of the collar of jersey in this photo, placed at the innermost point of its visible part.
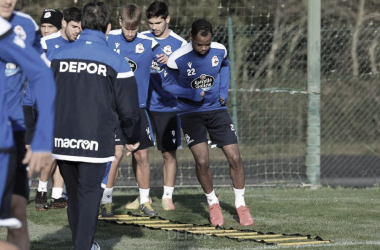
(93, 36)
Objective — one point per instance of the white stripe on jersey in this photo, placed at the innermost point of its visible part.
(18, 13)
(4, 26)
(83, 159)
(48, 37)
(178, 53)
(115, 32)
(125, 74)
(216, 45)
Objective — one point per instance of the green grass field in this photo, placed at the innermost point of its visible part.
(349, 218)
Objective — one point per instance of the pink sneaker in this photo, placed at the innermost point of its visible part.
(216, 216)
(245, 216)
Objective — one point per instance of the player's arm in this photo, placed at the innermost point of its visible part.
(224, 81)
(170, 84)
(127, 105)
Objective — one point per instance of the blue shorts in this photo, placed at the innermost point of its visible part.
(4, 161)
(105, 177)
(217, 123)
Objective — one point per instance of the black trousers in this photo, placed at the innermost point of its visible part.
(83, 183)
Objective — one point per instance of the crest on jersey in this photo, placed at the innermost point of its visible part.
(168, 50)
(204, 82)
(139, 48)
(214, 61)
(132, 64)
(20, 32)
(117, 45)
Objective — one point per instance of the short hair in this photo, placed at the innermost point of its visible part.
(96, 16)
(72, 14)
(201, 26)
(131, 15)
(157, 9)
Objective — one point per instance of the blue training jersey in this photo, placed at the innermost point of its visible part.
(158, 99)
(53, 43)
(140, 52)
(26, 28)
(14, 49)
(188, 74)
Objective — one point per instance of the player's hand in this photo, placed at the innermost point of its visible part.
(131, 147)
(222, 102)
(203, 94)
(36, 161)
(162, 58)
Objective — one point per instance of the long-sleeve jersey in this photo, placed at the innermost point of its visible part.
(158, 99)
(53, 42)
(14, 49)
(26, 28)
(139, 53)
(93, 83)
(188, 74)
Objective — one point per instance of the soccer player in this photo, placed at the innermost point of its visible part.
(70, 24)
(93, 84)
(50, 21)
(198, 74)
(13, 49)
(161, 105)
(139, 51)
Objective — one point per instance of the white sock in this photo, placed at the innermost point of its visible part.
(211, 198)
(56, 193)
(144, 195)
(239, 197)
(42, 186)
(107, 195)
(168, 192)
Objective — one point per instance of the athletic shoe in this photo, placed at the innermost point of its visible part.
(245, 216)
(106, 210)
(167, 204)
(95, 246)
(11, 223)
(41, 201)
(136, 203)
(58, 203)
(147, 209)
(216, 216)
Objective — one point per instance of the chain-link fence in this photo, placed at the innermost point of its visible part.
(270, 48)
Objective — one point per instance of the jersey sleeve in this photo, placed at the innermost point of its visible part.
(224, 79)
(42, 86)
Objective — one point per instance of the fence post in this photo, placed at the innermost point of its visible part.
(232, 72)
(313, 134)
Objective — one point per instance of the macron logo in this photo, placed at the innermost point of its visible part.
(78, 144)
(77, 67)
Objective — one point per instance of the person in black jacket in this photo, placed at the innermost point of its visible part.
(93, 84)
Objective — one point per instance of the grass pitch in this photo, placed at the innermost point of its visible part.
(349, 218)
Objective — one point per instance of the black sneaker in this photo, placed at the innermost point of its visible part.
(147, 209)
(41, 201)
(58, 203)
(106, 210)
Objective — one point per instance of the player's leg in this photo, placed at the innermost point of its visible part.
(41, 202)
(106, 203)
(195, 131)
(170, 174)
(7, 246)
(57, 198)
(223, 134)
(20, 197)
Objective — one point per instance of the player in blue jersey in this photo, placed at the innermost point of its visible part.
(70, 23)
(198, 74)
(25, 27)
(139, 50)
(71, 28)
(96, 90)
(161, 105)
(15, 50)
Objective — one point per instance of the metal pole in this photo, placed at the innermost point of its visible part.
(313, 151)
(232, 73)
